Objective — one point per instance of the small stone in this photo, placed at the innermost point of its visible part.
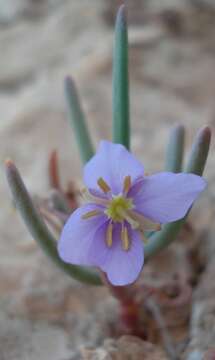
(125, 348)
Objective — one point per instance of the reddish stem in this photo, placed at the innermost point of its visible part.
(54, 178)
(71, 194)
(129, 308)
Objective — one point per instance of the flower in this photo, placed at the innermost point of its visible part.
(122, 203)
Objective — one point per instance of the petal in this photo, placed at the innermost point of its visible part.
(136, 187)
(122, 267)
(78, 234)
(112, 162)
(167, 197)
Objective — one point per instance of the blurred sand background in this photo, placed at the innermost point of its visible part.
(43, 314)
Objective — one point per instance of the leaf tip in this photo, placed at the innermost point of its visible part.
(178, 130)
(70, 87)
(8, 163)
(9, 166)
(121, 19)
(204, 134)
(179, 127)
(68, 82)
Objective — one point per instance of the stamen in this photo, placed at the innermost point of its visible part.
(125, 238)
(127, 184)
(134, 224)
(88, 197)
(144, 223)
(109, 235)
(90, 214)
(85, 194)
(103, 185)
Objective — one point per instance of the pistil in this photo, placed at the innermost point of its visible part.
(125, 215)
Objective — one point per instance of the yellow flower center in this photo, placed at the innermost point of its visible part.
(117, 208)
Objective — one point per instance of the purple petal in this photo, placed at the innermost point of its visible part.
(167, 197)
(112, 162)
(136, 187)
(122, 267)
(78, 234)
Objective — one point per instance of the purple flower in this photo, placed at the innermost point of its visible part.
(122, 203)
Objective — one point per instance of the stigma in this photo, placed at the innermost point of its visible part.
(117, 208)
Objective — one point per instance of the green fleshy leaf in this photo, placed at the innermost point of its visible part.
(199, 152)
(121, 126)
(196, 164)
(175, 149)
(77, 120)
(39, 230)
